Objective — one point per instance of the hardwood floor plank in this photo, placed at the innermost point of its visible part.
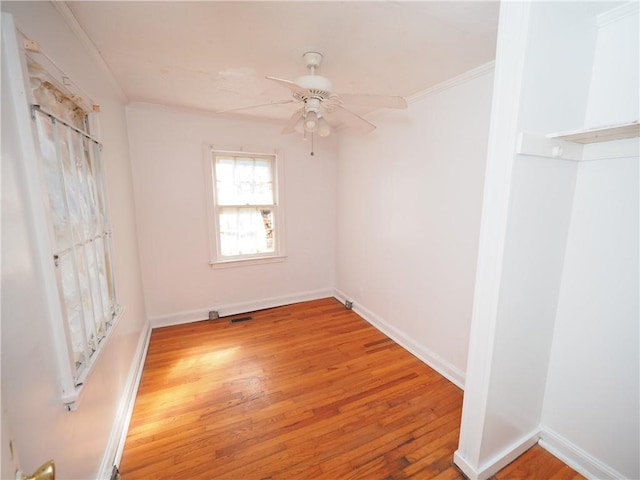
(305, 391)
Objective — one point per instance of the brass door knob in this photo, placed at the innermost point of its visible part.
(46, 471)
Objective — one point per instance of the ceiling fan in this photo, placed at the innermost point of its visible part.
(323, 110)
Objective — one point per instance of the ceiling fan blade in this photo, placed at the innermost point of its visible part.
(375, 101)
(294, 87)
(348, 119)
(289, 127)
(273, 102)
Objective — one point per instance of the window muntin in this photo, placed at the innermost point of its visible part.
(245, 200)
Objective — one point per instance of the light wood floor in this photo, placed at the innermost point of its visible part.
(307, 391)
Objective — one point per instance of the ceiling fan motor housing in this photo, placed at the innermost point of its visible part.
(317, 85)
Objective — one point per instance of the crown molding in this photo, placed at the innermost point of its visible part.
(618, 13)
(77, 29)
(452, 82)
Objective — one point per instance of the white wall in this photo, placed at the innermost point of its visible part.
(613, 90)
(593, 390)
(168, 148)
(41, 428)
(539, 217)
(409, 199)
(558, 359)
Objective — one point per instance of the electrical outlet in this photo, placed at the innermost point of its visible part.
(348, 304)
(213, 315)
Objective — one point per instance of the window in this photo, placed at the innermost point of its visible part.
(245, 218)
(73, 190)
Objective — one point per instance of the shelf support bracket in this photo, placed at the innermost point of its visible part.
(540, 146)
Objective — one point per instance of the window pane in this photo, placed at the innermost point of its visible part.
(71, 185)
(53, 179)
(246, 231)
(73, 306)
(244, 181)
(85, 298)
(109, 275)
(94, 282)
(263, 182)
(102, 277)
(86, 186)
(85, 203)
(92, 152)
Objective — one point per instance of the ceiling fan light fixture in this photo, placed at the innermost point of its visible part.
(324, 130)
(311, 122)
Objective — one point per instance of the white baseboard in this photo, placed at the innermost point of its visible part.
(435, 361)
(575, 457)
(499, 461)
(464, 466)
(236, 308)
(115, 444)
(557, 445)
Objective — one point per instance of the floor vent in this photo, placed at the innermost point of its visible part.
(241, 319)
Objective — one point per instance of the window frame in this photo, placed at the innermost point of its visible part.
(94, 338)
(216, 260)
(72, 374)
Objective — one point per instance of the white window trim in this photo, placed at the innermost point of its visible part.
(215, 260)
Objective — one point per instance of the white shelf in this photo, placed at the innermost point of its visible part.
(573, 145)
(600, 134)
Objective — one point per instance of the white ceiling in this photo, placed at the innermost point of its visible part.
(215, 55)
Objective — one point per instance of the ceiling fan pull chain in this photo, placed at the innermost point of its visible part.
(312, 154)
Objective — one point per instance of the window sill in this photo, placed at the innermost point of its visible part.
(245, 262)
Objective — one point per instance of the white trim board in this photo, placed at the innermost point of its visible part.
(200, 314)
(574, 456)
(499, 461)
(618, 13)
(432, 359)
(555, 444)
(453, 82)
(512, 41)
(115, 444)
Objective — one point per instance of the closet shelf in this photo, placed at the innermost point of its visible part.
(572, 145)
(600, 134)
